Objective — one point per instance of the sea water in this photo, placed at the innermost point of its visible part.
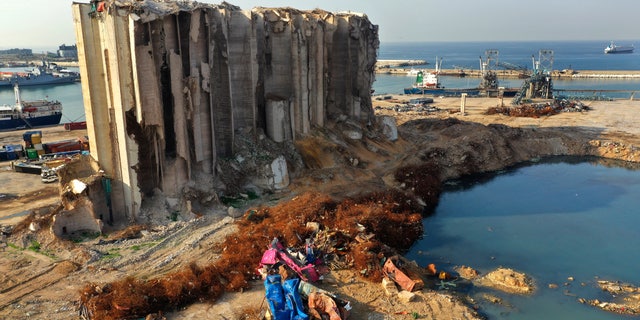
(578, 55)
(69, 95)
(555, 219)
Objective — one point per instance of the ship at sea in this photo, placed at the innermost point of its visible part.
(29, 114)
(613, 48)
(44, 74)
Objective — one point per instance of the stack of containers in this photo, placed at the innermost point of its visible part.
(36, 139)
(33, 144)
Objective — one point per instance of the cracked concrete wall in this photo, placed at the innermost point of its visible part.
(167, 84)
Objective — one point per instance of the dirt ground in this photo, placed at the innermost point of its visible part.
(44, 280)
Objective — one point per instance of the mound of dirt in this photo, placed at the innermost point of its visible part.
(507, 280)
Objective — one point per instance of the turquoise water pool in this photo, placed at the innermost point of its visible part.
(554, 219)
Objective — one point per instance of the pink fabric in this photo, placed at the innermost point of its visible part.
(269, 257)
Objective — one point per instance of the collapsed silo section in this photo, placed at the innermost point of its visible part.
(168, 86)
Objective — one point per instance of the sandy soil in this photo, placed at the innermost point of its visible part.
(44, 283)
(20, 192)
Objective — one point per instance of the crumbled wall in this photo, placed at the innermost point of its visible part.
(86, 209)
(79, 218)
(170, 83)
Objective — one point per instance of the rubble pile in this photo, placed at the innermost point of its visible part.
(354, 233)
(540, 109)
(507, 280)
(627, 298)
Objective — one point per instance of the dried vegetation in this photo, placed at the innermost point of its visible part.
(355, 233)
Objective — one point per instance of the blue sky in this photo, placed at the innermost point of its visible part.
(46, 24)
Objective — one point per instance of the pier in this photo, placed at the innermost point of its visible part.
(402, 67)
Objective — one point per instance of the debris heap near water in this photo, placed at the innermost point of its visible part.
(354, 233)
(540, 109)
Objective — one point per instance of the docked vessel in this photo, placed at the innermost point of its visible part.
(613, 48)
(429, 83)
(45, 74)
(29, 114)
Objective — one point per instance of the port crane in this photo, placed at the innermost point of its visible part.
(487, 66)
(523, 71)
(540, 84)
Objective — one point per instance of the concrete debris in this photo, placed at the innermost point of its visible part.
(626, 296)
(34, 226)
(77, 186)
(389, 287)
(507, 280)
(467, 272)
(234, 212)
(389, 127)
(406, 296)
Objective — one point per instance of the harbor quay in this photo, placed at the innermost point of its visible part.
(404, 67)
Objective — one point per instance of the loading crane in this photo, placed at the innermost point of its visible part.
(523, 70)
(540, 84)
(487, 66)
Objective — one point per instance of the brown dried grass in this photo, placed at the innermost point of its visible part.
(529, 111)
(390, 216)
(423, 181)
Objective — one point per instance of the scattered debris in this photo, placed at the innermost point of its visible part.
(540, 109)
(627, 298)
(390, 216)
(467, 272)
(401, 273)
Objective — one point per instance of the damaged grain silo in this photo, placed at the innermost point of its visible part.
(167, 85)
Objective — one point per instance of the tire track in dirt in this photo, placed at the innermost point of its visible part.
(178, 247)
(44, 279)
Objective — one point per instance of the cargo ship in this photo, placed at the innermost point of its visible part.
(29, 114)
(45, 74)
(613, 48)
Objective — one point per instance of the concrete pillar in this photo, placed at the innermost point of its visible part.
(463, 102)
(277, 123)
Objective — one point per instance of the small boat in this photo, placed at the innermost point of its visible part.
(29, 114)
(613, 48)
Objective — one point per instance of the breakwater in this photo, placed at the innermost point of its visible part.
(511, 74)
(404, 67)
